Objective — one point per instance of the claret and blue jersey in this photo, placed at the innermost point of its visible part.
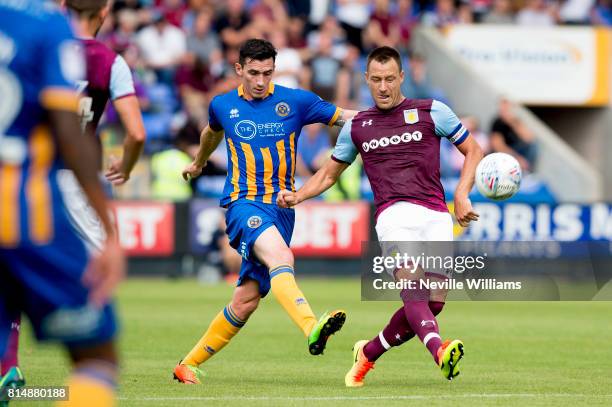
(400, 148)
(262, 136)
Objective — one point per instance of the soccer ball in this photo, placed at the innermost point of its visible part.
(498, 176)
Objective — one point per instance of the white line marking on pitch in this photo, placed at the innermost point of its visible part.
(357, 398)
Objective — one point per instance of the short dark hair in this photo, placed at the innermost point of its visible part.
(257, 49)
(86, 8)
(383, 54)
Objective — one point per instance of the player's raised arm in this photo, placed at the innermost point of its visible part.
(344, 154)
(209, 140)
(126, 105)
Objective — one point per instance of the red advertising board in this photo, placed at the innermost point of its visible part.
(145, 228)
(326, 229)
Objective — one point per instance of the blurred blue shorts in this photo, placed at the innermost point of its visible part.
(246, 220)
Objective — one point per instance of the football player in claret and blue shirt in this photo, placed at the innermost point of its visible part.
(45, 270)
(399, 142)
(261, 122)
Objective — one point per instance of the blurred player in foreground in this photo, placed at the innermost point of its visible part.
(399, 142)
(45, 269)
(107, 77)
(261, 122)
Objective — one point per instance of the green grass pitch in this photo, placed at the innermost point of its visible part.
(517, 354)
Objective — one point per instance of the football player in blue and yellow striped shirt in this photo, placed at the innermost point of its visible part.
(261, 123)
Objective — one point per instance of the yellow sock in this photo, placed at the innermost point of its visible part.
(220, 331)
(90, 388)
(291, 297)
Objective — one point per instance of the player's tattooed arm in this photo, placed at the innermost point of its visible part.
(320, 182)
(344, 116)
(209, 140)
(463, 207)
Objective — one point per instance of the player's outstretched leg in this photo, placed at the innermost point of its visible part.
(272, 250)
(396, 333)
(292, 299)
(329, 324)
(221, 330)
(423, 322)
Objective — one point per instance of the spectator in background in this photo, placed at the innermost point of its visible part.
(174, 11)
(328, 78)
(164, 167)
(465, 13)
(353, 16)
(194, 82)
(536, 13)
(479, 8)
(296, 37)
(444, 14)
(162, 46)
(510, 135)
(288, 64)
(502, 13)
(141, 8)
(313, 147)
(194, 7)
(202, 41)
(416, 84)
(319, 9)
(124, 35)
(383, 28)
(330, 28)
(576, 11)
(602, 13)
(233, 25)
(135, 5)
(269, 16)
(407, 18)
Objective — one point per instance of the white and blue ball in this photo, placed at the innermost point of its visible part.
(498, 176)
